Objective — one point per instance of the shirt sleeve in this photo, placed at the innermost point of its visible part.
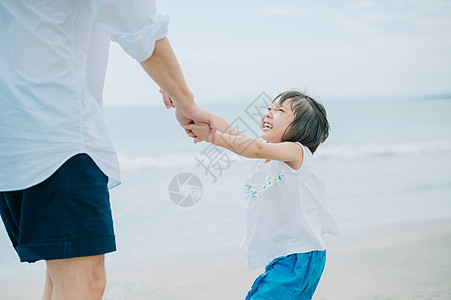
(134, 24)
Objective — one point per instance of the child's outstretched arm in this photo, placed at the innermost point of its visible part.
(250, 147)
(224, 126)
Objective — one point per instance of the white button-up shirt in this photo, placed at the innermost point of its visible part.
(53, 58)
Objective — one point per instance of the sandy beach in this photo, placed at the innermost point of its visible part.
(401, 261)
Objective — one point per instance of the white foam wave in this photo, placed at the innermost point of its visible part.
(134, 163)
(427, 147)
(131, 163)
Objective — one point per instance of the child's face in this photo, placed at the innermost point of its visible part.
(275, 121)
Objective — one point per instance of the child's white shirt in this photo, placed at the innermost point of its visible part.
(285, 211)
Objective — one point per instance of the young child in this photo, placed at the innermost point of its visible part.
(286, 214)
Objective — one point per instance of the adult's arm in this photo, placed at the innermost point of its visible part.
(141, 31)
(165, 70)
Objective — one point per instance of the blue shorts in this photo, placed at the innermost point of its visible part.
(295, 276)
(67, 215)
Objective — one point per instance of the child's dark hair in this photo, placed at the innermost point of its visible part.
(310, 126)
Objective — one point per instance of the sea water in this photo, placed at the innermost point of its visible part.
(385, 161)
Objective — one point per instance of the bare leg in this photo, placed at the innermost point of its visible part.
(48, 287)
(76, 278)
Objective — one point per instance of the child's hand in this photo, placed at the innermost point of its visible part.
(201, 130)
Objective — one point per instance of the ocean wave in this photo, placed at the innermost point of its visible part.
(427, 147)
(143, 162)
(136, 163)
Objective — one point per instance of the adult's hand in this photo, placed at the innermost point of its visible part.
(170, 104)
(166, 100)
(191, 114)
(196, 114)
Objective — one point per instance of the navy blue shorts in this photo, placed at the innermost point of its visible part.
(67, 215)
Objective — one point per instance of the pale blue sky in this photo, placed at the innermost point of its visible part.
(233, 50)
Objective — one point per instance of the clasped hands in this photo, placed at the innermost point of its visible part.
(197, 121)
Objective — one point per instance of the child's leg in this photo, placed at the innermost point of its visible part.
(295, 276)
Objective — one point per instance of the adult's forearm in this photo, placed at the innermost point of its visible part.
(165, 70)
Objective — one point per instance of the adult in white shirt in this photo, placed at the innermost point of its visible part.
(55, 150)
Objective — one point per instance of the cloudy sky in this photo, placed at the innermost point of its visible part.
(233, 50)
